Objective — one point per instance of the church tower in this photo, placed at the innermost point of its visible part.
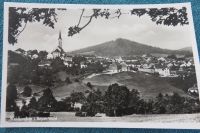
(60, 40)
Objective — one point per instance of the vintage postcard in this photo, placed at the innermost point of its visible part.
(122, 66)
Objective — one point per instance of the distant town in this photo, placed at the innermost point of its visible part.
(32, 71)
(162, 65)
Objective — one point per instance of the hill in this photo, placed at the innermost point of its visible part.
(186, 49)
(14, 57)
(149, 86)
(124, 47)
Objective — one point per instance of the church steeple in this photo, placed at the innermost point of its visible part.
(60, 40)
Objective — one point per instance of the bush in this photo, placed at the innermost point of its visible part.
(89, 85)
(27, 91)
(67, 80)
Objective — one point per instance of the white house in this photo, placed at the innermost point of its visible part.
(35, 56)
(193, 89)
(83, 65)
(49, 56)
(124, 66)
(163, 71)
(161, 59)
(78, 105)
(113, 67)
(68, 63)
(44, 63)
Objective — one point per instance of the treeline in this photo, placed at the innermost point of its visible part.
(119, 100)
(116, 101)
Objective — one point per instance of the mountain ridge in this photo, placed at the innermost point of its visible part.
(125, 47)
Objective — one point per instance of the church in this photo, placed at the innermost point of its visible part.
(59, 52)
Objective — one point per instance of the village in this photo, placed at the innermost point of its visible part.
(162, 65)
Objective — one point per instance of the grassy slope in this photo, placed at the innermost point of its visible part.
(149, 86)
(65, 90)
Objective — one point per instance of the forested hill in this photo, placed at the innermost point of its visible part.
(124, 47)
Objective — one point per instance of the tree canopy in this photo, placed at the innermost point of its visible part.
(19, 17)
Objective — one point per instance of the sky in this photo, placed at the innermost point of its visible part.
(139, 29)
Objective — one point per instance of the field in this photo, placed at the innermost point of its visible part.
(163, 118)
(148, 85)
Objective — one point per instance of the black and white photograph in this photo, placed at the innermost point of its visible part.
(134, 66)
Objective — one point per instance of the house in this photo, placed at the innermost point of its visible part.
(161, 59)
(113, 67)
(189, 64)
(49, 56)
(193, 89)
(78, 105)
(165, 72)
(35, 56)
(58, 52)
(146, 70)
(124, 66)
(129, 59)
(83, 65)
(68, 57)
(44, 64)
(170, 65)
(68, 63)
(119, 59)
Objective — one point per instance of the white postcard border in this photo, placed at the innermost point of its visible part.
(174, 125)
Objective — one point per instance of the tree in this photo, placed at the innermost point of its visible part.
(94, 103)
(57, 64)
(166, 16)
(19, 17)
(89, 85)
(27, 91)
(24, 110)
(77, 97)
(47, 77)
(32, 52)
(134, 98)
(176, 103)
(116, 98)
(172, 56)
(47, 102)
(68, 81)
(160, 104)
(11, 96)
(33, 103)
(43, 55)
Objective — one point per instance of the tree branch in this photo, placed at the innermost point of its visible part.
(80, 17)
(87, 23)
(21, 30)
